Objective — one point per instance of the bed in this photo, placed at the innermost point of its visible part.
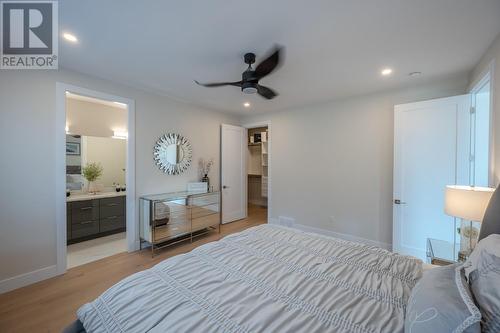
(265, 279)
(276, 279)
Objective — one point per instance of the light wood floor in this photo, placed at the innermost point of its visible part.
(51, 305)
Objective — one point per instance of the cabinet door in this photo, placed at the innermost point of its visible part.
(87, 210)
(84, 228)
(110, 223)
(112, 207)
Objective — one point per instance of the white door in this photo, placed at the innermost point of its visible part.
(431, 150)
(233, 173)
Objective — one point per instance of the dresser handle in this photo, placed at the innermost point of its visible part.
(86, 222)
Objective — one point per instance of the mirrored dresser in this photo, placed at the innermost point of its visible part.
(169, 218)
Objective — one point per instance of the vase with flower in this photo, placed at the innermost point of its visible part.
(91, 172)
(205, 167)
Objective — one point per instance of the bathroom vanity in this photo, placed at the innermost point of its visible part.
(90, 216)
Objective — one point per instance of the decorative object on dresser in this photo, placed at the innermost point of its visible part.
(169, 218)
(205, 167)
(468, 203)
(173, 153)
(89, 219)
(91, 172)
(197, 187)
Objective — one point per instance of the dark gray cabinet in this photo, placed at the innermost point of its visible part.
(95, 218)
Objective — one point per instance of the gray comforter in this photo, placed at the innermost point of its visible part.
(264, 279)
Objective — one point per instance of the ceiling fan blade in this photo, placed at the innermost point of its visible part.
(220, 84)
(269, 64)
(266, 92)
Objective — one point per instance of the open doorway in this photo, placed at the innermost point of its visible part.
(96, 154)
(257, 172)
(246, 172)
(96, 218)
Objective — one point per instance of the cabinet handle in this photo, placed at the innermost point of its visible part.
(86, 222)
(112, 204)
(112, 217)
(86, 208)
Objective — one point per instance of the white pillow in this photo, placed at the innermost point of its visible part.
(482, 270)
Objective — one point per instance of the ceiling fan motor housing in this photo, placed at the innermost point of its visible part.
(249, 83)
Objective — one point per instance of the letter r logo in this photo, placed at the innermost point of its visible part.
(27, 27)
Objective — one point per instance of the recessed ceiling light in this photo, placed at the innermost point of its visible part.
(246, 104)
(414, 74)
(70, 37)
(386, 71)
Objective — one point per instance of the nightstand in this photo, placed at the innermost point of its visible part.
(442, 253)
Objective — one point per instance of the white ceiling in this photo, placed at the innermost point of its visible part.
(334, 48)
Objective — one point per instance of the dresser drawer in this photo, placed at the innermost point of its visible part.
(110, 223)
(112, 207)
(84, 228)
(87, 210)
(171, 230)
(206, 221)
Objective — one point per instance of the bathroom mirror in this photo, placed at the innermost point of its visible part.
(173, 153)
(110, 153)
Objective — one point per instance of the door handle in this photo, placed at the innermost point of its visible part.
(224, 186)
(399, 202)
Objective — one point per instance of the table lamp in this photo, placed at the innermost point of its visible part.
(469, 204)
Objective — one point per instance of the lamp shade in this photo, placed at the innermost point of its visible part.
(467, 202)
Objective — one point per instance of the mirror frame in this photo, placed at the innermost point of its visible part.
(161, 146)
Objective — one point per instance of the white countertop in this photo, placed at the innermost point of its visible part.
(87, 196)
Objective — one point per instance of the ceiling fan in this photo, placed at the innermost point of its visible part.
(249, 83)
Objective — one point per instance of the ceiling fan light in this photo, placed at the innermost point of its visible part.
(250, 90)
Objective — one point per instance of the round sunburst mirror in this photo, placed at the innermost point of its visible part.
(173, 153)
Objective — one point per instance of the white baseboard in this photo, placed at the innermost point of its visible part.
(330, 233)
(27, 278)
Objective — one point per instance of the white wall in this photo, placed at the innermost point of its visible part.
(27, 162)
(492, 56)
(332, 163)
(94, 119)
(110, 153)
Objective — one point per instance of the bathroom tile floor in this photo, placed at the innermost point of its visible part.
(95, 249)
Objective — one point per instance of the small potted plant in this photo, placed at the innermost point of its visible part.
(91, 172)
(205, 167)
